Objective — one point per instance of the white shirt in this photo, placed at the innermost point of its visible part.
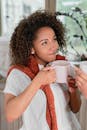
(34, 117)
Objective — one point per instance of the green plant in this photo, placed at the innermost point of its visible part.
(75, 23)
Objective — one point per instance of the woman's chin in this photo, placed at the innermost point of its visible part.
(52, 58)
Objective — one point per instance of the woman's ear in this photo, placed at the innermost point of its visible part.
(32, 51)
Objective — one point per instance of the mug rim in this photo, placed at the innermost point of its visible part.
(54, 63)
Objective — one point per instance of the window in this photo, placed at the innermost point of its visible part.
(13, 11)
(73, 14)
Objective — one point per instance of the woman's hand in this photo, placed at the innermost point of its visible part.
(72, 84)
(81, 81)
(46, 76)
(75, 101)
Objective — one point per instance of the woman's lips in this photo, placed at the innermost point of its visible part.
(53, 53)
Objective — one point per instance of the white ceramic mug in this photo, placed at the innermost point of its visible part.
(62, 69)
(83, 66)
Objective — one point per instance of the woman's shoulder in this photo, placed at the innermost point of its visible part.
(17, 74)
(16, 82)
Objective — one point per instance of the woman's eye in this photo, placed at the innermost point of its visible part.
(55, 38)
(44, 43)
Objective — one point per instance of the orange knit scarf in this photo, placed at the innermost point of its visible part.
(31, 70)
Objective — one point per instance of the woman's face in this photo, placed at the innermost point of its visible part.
(45, 45)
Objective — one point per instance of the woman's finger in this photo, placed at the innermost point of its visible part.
(80, 73)
(48, 68)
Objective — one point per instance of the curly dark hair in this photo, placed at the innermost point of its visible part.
(24, 34)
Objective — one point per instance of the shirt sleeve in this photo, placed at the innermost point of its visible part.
(16, 82)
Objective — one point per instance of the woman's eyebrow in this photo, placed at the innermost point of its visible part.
(43, 40)
(47, 39)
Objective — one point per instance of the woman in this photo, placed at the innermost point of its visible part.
(30, 89)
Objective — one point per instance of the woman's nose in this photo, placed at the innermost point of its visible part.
(53, 46)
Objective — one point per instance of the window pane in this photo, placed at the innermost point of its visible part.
(13, 11)
(73, 14)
